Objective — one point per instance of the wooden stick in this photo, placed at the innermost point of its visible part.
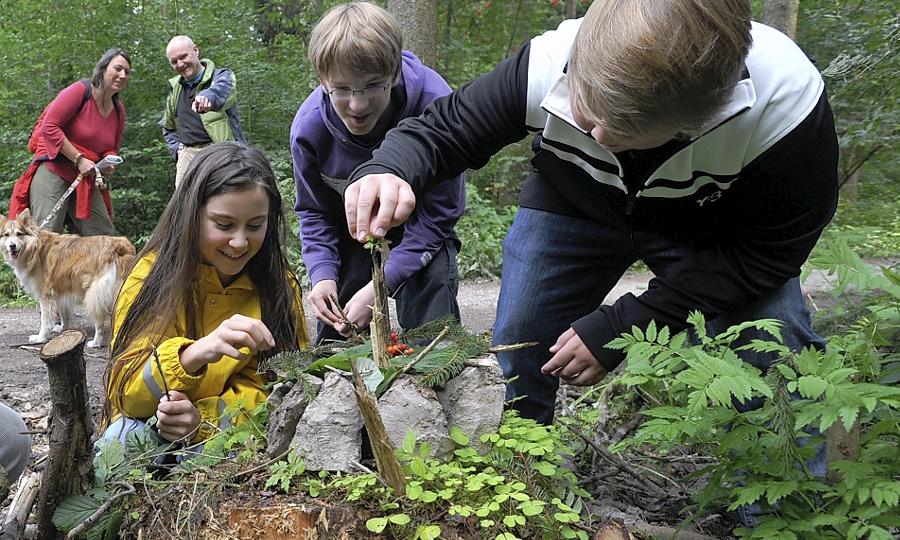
(380, 326)
(426, 350)
(18, 512)
(354, 333)
(389, 469)
(98, 513)
(70, 455)
(512, 347)
(650, 482)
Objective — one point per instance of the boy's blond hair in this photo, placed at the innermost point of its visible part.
(360, 37)
(643, 65)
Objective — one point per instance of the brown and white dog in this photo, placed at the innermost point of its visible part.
(60, 270)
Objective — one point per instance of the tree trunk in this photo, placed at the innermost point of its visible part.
(782, 15)
(571, 9)
(418, 21)
(69, 459)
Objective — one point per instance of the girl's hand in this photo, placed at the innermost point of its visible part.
(359, 309)
(235, 332)
(177, 419)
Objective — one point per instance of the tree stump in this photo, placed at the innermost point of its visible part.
(70, 428)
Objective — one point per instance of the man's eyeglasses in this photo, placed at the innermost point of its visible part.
(369, 92)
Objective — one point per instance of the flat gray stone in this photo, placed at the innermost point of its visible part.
(473, 400)
(286, 406)
(329, 434)
(409, 406)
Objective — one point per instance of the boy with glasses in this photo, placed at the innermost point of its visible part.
(368, 84)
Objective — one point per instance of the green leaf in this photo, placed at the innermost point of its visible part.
(637, 333)
(399, 519)
(107, 459)
(650, 333)
(428, 532)
(747, 495)
(414, 490)
(459, 437)
(776, 491)
(368, 370)
(811, 386)
(409, 442)
(340, 360)
(376, 525)
(531, 508)
(663, 337)
(73, 511)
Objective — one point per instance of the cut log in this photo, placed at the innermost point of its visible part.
(68, 470)
(639, 531)
(288, 521)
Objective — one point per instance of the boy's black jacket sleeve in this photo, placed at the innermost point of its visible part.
(459, 131)
(784, 200)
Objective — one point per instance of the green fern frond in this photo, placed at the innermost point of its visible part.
(442, 365)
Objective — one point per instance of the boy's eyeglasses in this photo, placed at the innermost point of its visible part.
(369, 92)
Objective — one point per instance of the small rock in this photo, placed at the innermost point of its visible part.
(329, 434)
(409, 406)
(287, 405)
(473, 401)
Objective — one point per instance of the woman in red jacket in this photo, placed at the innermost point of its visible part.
(81, 125)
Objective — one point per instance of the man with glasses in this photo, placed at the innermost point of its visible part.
(201, 107)
(368, 84)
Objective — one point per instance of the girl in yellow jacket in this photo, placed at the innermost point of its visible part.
(210, 295)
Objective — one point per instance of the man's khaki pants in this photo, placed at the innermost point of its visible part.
(185, 156)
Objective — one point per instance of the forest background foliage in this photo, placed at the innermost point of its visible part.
(46, 45)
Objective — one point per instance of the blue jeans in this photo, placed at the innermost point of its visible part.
(557, 269)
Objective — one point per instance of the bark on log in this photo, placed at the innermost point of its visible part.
(381, 316)
(389, 468)
(69, 458)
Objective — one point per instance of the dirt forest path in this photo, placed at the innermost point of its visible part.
(23, 376)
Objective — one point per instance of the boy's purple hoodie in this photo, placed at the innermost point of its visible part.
(325, 154)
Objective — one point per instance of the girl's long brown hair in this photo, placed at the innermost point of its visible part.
(171, 286)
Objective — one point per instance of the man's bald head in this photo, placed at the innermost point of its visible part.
(184, 56)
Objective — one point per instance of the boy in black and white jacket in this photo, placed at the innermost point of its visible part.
(675, 132)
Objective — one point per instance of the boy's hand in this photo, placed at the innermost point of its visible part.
(573, 362)
(233, 333)
(375, 203)
(359, 309)
(176, 419)
(320, 299)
